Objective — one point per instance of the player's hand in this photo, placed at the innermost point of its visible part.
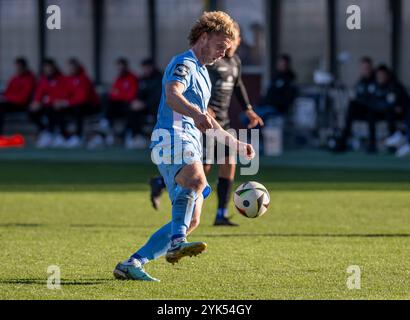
(203, 121)
(254, 119)
(246, 150)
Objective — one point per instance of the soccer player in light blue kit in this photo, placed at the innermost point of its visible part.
(182, 115)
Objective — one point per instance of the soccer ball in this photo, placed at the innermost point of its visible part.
(251, 199)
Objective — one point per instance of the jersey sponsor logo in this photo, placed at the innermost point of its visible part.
(181, 70)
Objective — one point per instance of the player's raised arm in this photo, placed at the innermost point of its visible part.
(176, 100)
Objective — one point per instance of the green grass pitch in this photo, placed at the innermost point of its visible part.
(85, 217)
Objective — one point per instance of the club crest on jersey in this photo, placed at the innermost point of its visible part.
(181, 70)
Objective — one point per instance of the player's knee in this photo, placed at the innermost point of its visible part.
(197, 184)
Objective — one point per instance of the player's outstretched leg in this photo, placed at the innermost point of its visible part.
(157, 185)
(156, 246)
(190, 181)
(170, 240)
(224, 190)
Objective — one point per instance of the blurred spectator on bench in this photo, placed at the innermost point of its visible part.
(150, 86)
(50, 89)
(123, 91)
(359, 106)
(380, 102)
(19, 91)
(282, 91)
(80, 100)
(400, 140)
(146, 104)
(404, 149)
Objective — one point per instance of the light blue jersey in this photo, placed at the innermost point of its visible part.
(184, 68)
(187, 69)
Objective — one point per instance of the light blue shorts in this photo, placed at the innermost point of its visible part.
(190, 154)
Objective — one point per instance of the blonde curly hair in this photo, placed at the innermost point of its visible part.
(213, 22)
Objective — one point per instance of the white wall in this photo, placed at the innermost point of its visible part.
(372, 40)
(175, 19)
(125, 33)
(75, 39)
(303, 35)
(405, 54)
(18, 35)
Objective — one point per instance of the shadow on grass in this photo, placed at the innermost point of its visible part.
(64, 282)
(124, 226)
(309, 235)
(95, 225)
(223, 235)
(21, 225)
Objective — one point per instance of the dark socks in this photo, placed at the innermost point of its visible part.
(224, 190)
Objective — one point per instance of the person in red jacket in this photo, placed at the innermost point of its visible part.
(122, 93)
(81, 99)
(50, 89)
(18, 92)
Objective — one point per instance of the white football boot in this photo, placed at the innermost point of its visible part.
(96, 142)
(44, 140)
(403, 151)
(58, 141)
(73, 142)
(396, 140)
